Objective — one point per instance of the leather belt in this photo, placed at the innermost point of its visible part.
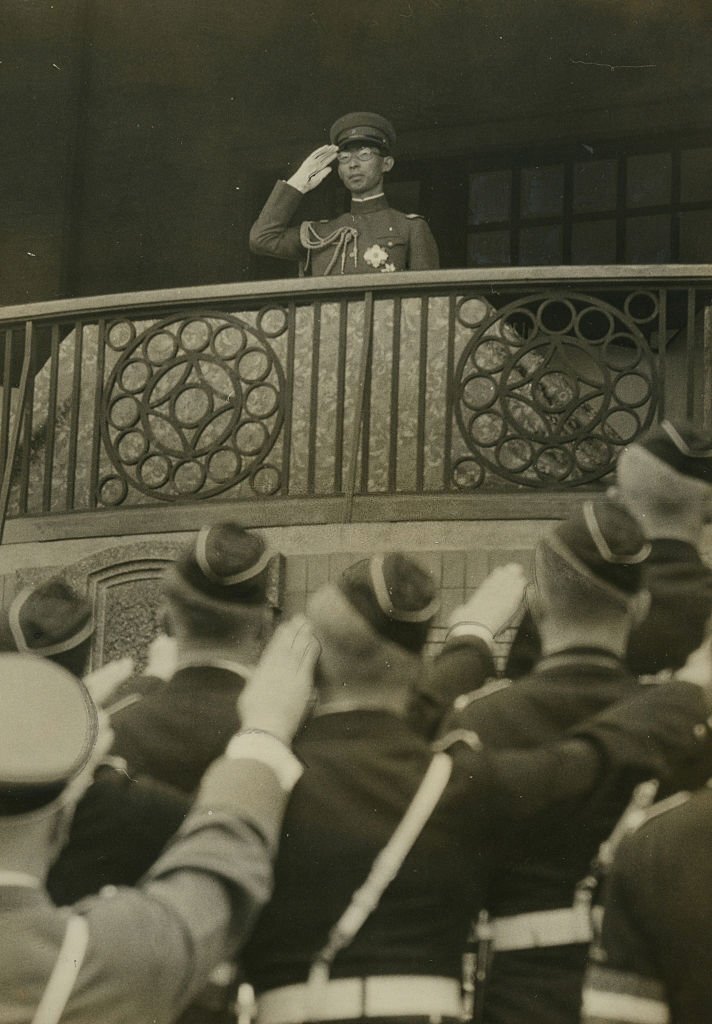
(393, 995)
(569, 926)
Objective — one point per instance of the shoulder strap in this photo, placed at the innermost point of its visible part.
(64, 973)
(385, 868)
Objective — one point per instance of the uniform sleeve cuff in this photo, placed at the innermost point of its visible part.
(268, 750)
(459, 629)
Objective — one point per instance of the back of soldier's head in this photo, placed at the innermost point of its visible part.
(665, 478)
(589, 567)
(51, 620)
(217, 588)
(48, 731)
(374, 621)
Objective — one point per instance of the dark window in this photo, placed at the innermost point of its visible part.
(614, 206)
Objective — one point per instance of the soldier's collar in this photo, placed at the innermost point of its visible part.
(369, 205)
(578, 657)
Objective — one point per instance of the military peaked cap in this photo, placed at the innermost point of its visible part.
(683, 447)
(48, 730)
(604, 543)
(363, 126)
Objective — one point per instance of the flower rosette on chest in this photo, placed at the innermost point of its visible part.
(377, 257)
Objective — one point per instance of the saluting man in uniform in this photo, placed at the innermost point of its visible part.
(665, 479)
(135, 954)
(396, 952)
(217, 609)
(371, 237)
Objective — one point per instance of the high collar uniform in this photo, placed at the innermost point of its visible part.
(542, 986)
(680, 587)
(174, 730)
(362, 769)
(371, 238)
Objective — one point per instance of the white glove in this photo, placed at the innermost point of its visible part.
(314, 169)
(496, 600)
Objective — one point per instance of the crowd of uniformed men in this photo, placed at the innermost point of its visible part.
(315, 822)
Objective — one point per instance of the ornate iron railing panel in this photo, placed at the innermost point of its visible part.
(446, 385)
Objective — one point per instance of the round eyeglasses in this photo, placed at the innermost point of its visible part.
(363, 154)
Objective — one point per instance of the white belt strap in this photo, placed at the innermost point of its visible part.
(354, 998)
(64, 973)
(385, 868)
(568, 926)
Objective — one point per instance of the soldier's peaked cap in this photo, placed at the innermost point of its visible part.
(48, 729)
(394, 594)
(684, 447)
(363, 126)
(51, 620)
(225, 562)
(601, 541)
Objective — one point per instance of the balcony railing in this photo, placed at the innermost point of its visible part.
(456, 394)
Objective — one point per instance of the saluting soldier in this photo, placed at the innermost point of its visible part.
(665, 479)
(135, 954)
(588, 595)
(371, 237)
(217, 609)
(377, 817)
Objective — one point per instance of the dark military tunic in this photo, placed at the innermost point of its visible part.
(544, 984)
(363, 768)
(371, 238)
(680, 586)
(174, 730)
(654, 963)
(119, 829)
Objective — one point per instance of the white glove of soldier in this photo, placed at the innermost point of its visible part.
(314, 169)
(495, 602)
(278, 692)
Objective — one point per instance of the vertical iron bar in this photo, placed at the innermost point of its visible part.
(662, 351)
(7, 397)
(690, 353)
(449, 389)
(340, 398)
(51, 419)
(360, 403)
(314, 399)
(289, 374)
(17, 426)
(707, 366)
(26, 458)
(366, 423)
(422, 385)
(101, 340)
(74, 419)
(395, 386)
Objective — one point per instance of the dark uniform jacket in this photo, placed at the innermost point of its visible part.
(463, 665)
(118, 831)
(655, 956)
(363, 768)
(371, 238)
(151, 949)
(176, 729)
(544, 985)
(680, 586)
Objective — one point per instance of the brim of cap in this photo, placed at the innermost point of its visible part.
(49, 723)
